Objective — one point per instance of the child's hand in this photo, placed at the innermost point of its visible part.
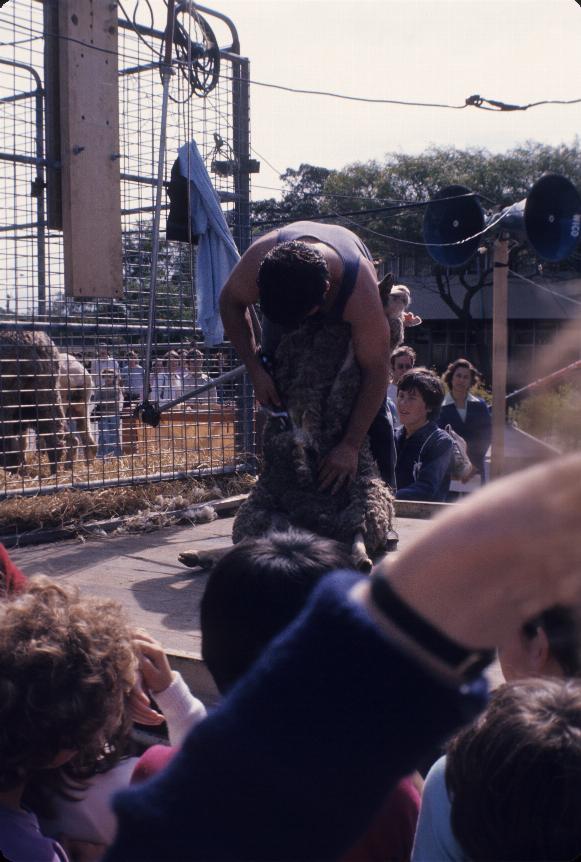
(154, 667)
(82, 851)
(139, 707)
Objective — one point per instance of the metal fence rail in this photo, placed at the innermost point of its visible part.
(71, 371)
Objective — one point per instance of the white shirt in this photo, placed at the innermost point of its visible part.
(461, 410)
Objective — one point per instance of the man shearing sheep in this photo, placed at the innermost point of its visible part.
(304, 269)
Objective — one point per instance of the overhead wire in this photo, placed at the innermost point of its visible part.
(544, 287)
(488, 227)
(369, 212)
(474, 101)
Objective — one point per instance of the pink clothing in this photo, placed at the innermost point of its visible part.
(151, 762)
(390, 837)
(12, 580)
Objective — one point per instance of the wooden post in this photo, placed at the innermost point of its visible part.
(89, 126)
(499, 353)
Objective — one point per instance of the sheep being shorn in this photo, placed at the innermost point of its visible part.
(29, 397)
(318, 379)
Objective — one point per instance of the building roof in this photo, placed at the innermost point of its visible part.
(541, 299)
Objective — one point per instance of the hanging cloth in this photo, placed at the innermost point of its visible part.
(217, 253)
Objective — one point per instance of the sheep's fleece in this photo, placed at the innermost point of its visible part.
(318, 380)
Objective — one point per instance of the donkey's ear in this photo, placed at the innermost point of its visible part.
(385, 286)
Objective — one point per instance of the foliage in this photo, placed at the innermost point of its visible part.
(499, 179)
(553, 416)
(303, 198)
(480, 391)
(174, 280)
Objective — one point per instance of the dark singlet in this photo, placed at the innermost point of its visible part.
(349, 248)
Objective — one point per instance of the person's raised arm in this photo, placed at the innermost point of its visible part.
(498, 559)
(238, 294)
(370, 336)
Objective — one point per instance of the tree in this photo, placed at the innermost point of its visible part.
(174, 300)
(369, 193)
(303, 198)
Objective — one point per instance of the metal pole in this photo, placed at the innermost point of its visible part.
(241, 231)
(39, 191)
(241, 148)
(166, 73)
(205, 387)
(499, 353)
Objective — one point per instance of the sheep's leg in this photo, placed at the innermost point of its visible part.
(22, 446)
(84, 428)
(202, 559)
(72, 444)
(359, 554)
(51, 424)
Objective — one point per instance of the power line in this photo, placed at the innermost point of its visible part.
(353, 98)
(475, 101)
(368, 212)
(544, 287)
(495, 105)
(488, 227)
(352, 197)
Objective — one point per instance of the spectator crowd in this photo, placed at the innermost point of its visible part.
(337, 691)
(119, 387)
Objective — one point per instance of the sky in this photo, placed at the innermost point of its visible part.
(515, 51)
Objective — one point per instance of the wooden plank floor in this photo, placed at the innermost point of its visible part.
(159, 594)
(143, 573)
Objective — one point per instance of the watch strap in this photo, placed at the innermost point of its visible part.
(463, 661)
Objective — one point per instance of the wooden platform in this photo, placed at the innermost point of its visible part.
(159, 594)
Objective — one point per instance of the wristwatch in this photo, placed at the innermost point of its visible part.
(461, 661)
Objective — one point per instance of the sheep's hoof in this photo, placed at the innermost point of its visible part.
(199, 559)
(363, 564)
(191, 558)
(359, 555)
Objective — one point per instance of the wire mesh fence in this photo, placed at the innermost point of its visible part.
(72, 369)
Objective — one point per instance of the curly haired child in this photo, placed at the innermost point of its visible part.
(67, 669)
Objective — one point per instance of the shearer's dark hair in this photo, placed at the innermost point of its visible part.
(514, 776)
(427, 384)
(255, 591)
(291, 281)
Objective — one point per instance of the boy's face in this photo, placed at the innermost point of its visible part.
(411, 408)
